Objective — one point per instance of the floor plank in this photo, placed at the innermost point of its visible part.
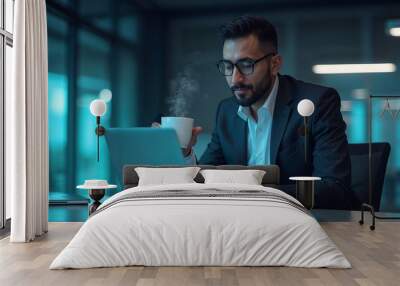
(375, 257)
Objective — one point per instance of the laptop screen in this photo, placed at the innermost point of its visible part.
(142, 146)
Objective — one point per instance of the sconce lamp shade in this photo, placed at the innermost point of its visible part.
(98, 107)
(305, 107)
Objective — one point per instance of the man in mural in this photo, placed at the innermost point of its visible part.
(260, 124)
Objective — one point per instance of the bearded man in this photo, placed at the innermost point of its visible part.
(260, 125)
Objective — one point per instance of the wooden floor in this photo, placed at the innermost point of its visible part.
(375, 256)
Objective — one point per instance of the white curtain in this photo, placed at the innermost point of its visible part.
(26, 124)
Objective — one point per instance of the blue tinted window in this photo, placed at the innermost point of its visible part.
(94, 75)
(58, 80)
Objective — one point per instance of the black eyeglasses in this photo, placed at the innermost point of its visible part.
(245, 66)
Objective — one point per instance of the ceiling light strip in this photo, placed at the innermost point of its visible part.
(354, 68)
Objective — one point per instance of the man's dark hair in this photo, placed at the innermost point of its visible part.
(247, 25)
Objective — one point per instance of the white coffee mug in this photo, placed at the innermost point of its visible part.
(182, 125)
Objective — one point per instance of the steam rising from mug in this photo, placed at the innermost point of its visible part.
(184, 87)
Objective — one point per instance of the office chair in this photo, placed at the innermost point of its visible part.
(361, 197)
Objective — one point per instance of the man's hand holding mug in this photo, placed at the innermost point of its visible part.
(187, 134)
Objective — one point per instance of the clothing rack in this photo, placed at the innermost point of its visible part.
(368, 206)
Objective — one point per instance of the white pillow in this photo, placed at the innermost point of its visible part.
(163, 176)
(248, 177)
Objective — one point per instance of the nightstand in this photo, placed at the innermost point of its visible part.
(97, 190)
(305, 190)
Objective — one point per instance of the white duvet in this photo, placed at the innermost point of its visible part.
(227, 231)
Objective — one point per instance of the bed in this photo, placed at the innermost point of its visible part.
(198, 224)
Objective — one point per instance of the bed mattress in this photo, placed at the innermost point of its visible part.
(201, 225)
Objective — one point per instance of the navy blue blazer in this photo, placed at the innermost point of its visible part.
(329, 154)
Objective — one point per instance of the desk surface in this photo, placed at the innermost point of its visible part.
(343, 216)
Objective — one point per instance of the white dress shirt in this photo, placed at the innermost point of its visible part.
(259, 132)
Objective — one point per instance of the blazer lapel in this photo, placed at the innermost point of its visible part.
(281, 115)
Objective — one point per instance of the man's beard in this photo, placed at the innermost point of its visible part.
(256, 95)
